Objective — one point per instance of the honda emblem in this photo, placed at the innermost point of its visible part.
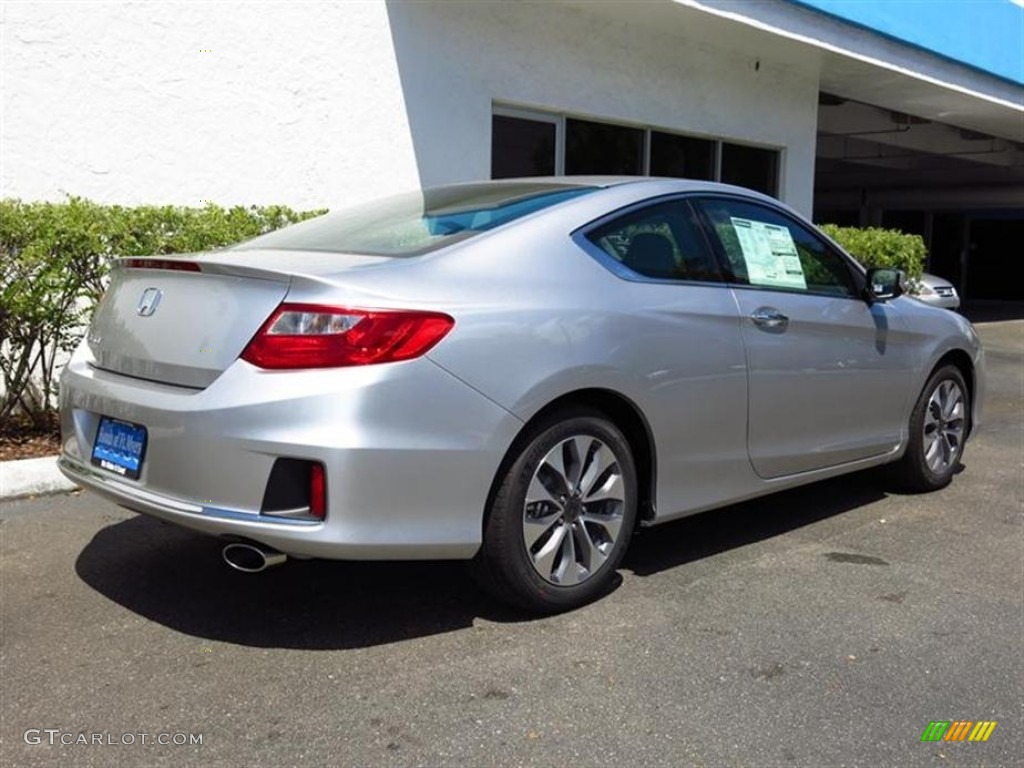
(149, 302)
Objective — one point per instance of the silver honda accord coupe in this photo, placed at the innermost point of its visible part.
(515, 373)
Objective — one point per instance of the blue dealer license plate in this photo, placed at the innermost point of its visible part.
(119, 447)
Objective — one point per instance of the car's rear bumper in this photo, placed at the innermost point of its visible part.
(409, 450)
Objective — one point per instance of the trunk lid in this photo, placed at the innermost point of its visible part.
(180, 327)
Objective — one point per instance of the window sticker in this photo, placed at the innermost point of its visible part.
(770, 254)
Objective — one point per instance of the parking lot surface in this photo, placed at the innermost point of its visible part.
(823, 626)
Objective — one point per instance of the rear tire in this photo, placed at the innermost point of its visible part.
(939, 425)
(562, 515)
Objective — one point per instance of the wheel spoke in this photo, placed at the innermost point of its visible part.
(568, 572)
(577, 450)
(590, 552)
(552, 474)
(534, 528)
(932, 450)
(612, 489)
(599, 461)
(946, 451)
(611, 523)
(557, 460)
(545, 559)
(539, 493)
(954, 408)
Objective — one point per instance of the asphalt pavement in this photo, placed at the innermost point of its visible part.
(826, 626)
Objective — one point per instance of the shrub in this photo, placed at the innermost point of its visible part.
(53, 263)
(875, 247)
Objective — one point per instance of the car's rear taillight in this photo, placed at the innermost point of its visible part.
(315, 336)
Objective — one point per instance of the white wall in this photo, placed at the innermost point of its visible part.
(455, 59)
(314, 104)
(295, 103)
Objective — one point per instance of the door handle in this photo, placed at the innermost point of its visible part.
(769, 317)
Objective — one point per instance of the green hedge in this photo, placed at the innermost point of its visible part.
(53, 263)
(876, 247)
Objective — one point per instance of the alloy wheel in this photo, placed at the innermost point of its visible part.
(943, 426)
(573, 512)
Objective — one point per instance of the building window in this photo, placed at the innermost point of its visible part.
(603, 148)
(522, 147)
(750, 167)
(533, 143)
(682, 156)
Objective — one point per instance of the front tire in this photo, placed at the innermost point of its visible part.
(939, 425)
(561, 516)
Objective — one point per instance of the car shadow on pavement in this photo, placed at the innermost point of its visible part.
(176, 577)
(694, 538)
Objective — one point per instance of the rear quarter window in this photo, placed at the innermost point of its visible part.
(662, 241)
(419, 222)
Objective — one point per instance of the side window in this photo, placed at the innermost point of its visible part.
(661, 241)
(767, 249)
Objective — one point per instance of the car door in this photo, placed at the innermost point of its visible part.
(677, 333)
(828, 373)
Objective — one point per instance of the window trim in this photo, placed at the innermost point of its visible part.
(580, 237)
(857, 273)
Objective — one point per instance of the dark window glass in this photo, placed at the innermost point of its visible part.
(849, 217)
(682, 156)
(948, 233)
(910, 222)
(663, 241)
(600, 148)
(764, 248)
(521, 147)
(418, 222)
(750, 167)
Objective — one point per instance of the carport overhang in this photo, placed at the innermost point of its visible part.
(947, 109)
(849, 61)
(865, 66)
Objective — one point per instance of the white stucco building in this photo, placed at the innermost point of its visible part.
(910, 114)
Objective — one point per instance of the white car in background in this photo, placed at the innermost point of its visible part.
(936, 291)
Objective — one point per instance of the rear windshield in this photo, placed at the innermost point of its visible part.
(418, 222)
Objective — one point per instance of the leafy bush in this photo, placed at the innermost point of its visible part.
(876, 247)
(53, 262)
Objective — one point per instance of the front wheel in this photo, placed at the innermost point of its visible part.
(562, 515)
(938, 428)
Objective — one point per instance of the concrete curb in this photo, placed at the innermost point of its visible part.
(32, 477)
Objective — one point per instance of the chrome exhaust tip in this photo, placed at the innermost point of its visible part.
(251, 558)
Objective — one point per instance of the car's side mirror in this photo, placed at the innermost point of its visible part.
(885, 283)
